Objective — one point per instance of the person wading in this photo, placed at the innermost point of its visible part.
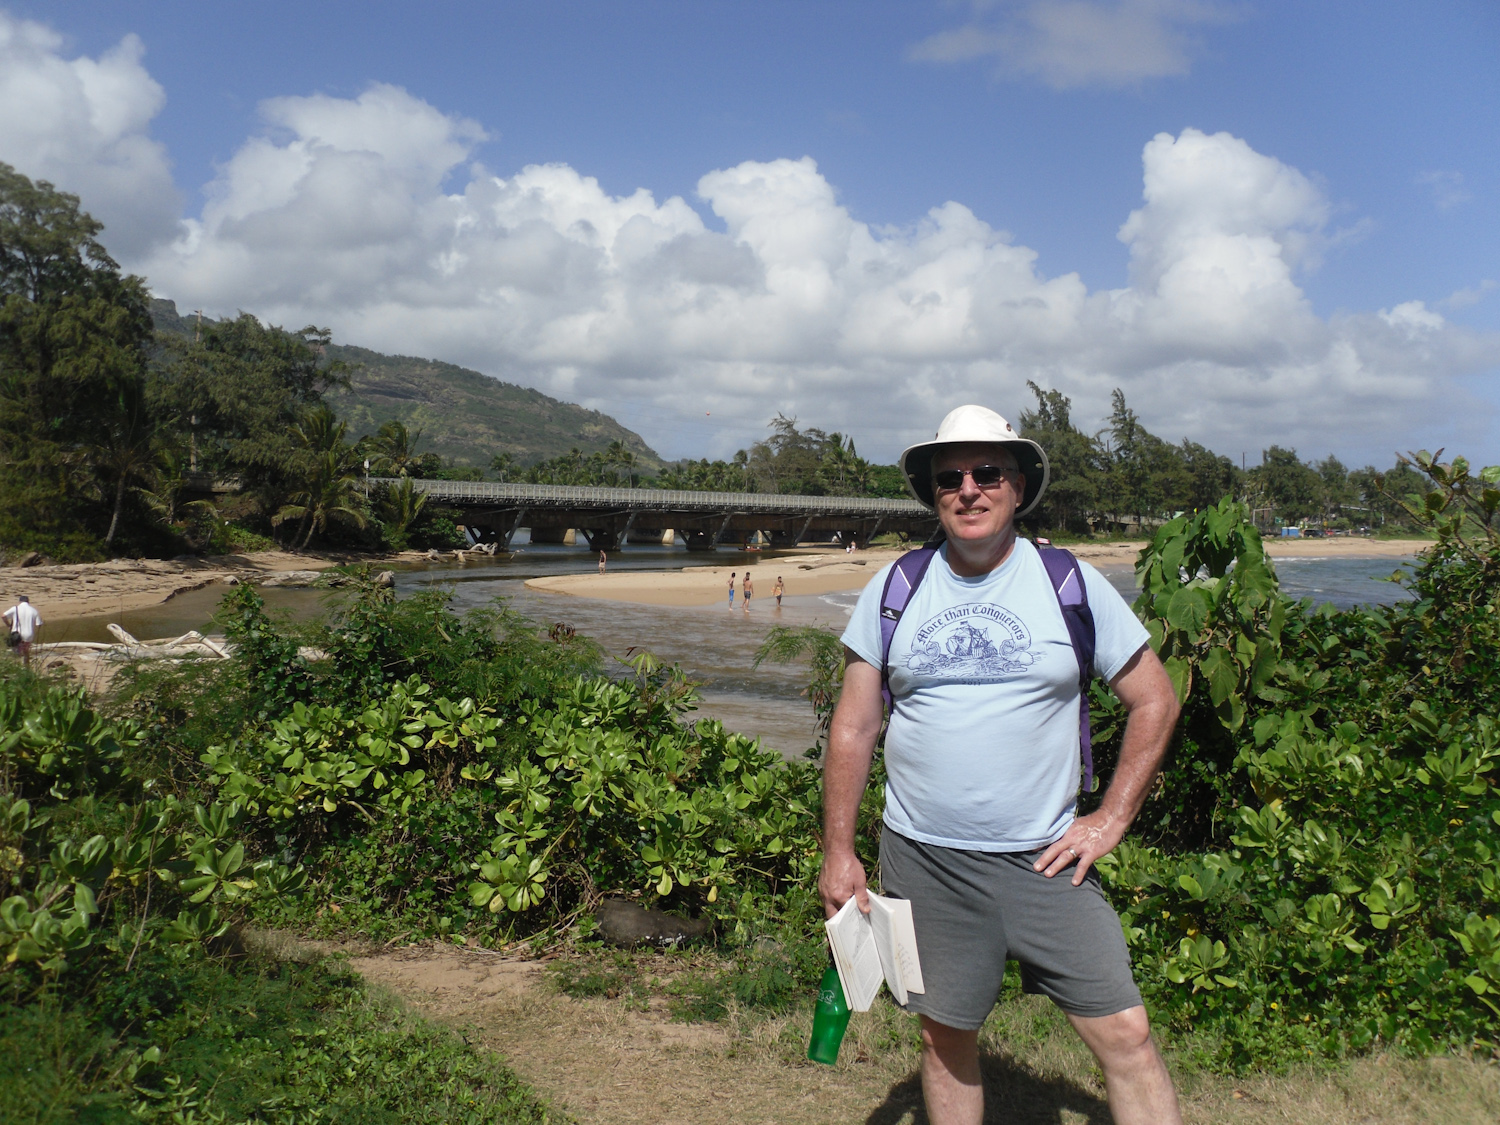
(982, 758)
(24, 621)
(749, 591)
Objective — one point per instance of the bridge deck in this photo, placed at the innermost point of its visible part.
(486, 494)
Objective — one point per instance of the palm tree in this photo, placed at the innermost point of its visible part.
(395, 449)
(128, 444)
(332, 491)
(318, 435)
(502, 463)
(401, 505)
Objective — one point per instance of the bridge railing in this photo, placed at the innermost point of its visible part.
(658, 499)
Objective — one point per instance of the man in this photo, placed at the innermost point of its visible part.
(749, 591)
(24, 620)
(733, 574)
(982, 756)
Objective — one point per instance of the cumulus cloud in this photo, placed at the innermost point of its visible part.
(82, 124)
(1073, 43)
(369, 215)
(785, 301)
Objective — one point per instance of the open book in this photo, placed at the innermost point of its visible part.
(875, 947)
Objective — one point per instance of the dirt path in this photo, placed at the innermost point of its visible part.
(605, 1063)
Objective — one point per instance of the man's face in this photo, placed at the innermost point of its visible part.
(969, 512)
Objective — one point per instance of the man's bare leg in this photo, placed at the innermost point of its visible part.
(951, 1085)
(1139, 1088)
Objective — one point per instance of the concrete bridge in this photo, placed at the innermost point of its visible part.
(612, 517)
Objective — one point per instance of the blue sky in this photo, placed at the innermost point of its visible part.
(1033, 116)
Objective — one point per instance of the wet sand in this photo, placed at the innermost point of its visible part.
(836, 572)
(708, 585)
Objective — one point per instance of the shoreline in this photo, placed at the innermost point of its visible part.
(836, 572)
(68, 591)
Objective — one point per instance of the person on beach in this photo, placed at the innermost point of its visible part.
(777, 590)
(601, 562)
(24, 621)
(732, 576)
(749, 589)
(982, 760)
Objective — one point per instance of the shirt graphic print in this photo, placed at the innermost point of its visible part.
(974, 643)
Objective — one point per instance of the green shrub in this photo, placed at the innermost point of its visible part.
(206, 1040)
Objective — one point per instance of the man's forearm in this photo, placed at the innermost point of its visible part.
(1148, 730)
(846, 773)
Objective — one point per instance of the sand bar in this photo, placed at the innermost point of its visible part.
(836, 572)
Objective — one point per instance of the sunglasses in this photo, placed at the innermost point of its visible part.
(985, 476)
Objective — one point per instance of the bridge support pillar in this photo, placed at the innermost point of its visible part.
(700, 540)
(723, 527)
(554, 535)
(510, 532)
(603, 538)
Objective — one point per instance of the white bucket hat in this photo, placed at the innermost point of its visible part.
(969, 425)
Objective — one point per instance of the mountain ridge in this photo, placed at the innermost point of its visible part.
(465, 416)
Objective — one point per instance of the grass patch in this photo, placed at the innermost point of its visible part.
(251, 1041)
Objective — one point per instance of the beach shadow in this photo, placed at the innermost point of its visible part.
(1013, 1094)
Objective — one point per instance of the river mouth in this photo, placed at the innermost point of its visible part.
(714, 645)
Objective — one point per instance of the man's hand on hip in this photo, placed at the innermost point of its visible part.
(1151, 708)
(1086, 839)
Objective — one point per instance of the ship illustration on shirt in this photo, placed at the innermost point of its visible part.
(975, 641)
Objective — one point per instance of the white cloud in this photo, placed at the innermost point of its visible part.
(366, 215)
(1073, 43)
(1447, 188)
(1470, 295)
(82, 124)
(631, 304)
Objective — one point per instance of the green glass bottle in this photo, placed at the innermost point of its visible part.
(830, 1019)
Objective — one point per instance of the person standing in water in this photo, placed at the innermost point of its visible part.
(24, 621)
(601, 562)
(777, 590)
(732, 576)
(749, 590)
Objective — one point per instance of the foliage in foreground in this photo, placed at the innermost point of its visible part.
(1316, 875)
(1322, 871)
(115, 1001)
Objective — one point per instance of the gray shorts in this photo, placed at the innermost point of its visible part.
(973, 910)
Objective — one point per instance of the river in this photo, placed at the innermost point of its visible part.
(714, 645)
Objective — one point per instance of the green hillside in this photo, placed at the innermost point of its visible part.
(463, 415)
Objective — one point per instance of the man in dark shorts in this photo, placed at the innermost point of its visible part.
(982, 759)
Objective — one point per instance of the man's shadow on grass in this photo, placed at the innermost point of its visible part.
(1013, 1094)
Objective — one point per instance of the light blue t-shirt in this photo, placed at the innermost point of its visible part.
(982, 752)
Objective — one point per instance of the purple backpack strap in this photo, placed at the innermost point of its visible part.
(1073, 600)
(900, 583)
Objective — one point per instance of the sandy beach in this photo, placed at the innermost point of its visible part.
(84, 589)
(836, 571)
